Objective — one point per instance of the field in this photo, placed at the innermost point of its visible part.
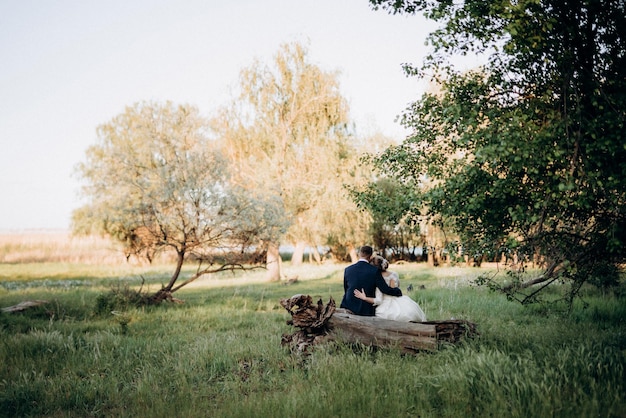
(219, 352)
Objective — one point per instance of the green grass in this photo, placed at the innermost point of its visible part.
(219, 353)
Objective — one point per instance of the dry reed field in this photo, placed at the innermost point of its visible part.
(57, 246)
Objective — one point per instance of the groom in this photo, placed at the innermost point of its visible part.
(362, 275)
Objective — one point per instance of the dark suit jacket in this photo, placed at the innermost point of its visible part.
(363, 275)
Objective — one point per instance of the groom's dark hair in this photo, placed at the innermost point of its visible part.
(366, 251)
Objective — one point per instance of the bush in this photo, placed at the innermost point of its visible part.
(605, 276)
(120, 297)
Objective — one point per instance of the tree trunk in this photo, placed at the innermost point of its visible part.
(354, 257)
(430, 256)
(180, 260)
(298, 253)
(320, 323)
(274, 263)
(165, 293)
(315, 254)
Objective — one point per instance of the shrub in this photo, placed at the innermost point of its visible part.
(120, 297)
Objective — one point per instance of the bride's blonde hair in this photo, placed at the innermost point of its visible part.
(379, 262)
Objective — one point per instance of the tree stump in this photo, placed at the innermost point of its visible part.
(318, 323)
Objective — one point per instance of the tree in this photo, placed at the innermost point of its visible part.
(527, 153)
(155, 182)
(399, 223)
(286, 133)
(391, 204)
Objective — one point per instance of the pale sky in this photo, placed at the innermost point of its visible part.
(67, 66)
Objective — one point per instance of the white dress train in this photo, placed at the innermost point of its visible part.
(397, 308)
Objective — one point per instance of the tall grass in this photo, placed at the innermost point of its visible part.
(219, 354)
(57, 246)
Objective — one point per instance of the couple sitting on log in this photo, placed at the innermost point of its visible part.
(372, 290)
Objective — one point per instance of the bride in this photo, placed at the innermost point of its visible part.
(397, 308)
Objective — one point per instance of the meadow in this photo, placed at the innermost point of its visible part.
(219, 353)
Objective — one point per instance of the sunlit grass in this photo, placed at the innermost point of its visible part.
(219, 352)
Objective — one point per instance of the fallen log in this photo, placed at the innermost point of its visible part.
(378, 332)
(22, 306)
(319, 323)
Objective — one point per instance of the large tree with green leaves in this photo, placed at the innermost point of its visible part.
(286, 133)
(394, 227)
(155, 182)
(527, 154)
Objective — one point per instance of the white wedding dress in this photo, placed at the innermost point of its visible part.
(397, 308)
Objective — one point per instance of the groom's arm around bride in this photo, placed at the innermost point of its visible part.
(362, 275)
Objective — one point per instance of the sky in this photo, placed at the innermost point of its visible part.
(68, 66)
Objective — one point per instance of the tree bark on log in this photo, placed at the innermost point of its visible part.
(319, 323)
(378, 332)
(22, 306)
